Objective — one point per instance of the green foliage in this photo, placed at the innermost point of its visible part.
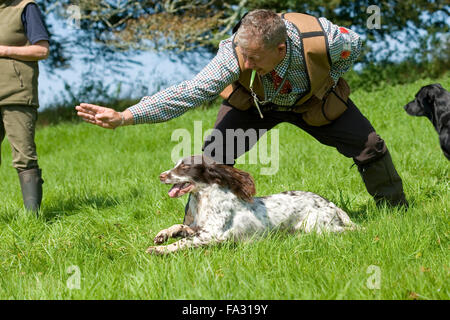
(111, 29)
(103, 204)
(382, 75)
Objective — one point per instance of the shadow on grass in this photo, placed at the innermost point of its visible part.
(61, 208)
(267, 240)
(225, 247)
(370, 210)
(359, 214)
(75, 204)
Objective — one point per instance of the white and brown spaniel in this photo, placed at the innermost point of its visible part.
(222, 207)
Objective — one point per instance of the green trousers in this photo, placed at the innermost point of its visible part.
(18, 124)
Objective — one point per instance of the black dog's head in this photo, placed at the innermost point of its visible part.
(424, 103)
(433, 102)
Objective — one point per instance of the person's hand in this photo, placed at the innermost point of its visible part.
(101, 116)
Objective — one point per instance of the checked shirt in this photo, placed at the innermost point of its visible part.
(224, 69)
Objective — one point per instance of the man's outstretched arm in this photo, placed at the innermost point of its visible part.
(173, 101)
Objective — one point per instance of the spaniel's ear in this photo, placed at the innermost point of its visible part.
(240, 182)
(247, 190)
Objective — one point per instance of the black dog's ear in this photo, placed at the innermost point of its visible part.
(434, 91)
(430, 99)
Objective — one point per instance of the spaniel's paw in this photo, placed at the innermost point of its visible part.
(161, 237)
(156, 250)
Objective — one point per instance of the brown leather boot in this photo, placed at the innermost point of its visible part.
(31, 185)
(383, 182)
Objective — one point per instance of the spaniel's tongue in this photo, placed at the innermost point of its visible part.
(179, 189)
(175, 190)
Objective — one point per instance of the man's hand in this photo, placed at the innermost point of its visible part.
(103, 117)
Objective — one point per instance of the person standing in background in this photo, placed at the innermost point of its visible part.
(24, 41)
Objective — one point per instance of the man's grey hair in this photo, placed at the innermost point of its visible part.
(263, 26)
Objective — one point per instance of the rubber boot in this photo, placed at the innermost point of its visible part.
(383, 182)
(31, 185)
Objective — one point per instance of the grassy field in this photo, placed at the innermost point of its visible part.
(103, 204)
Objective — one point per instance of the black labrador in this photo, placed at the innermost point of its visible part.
(433, 102)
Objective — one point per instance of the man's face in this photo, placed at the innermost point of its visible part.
(262, 59)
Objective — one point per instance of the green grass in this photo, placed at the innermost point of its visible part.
(103, 204)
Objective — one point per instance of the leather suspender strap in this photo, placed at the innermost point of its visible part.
(315, 55)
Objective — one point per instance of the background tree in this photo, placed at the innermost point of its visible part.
(412, 41)
(179, 26)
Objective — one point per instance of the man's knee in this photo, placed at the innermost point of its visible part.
(374, 149)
